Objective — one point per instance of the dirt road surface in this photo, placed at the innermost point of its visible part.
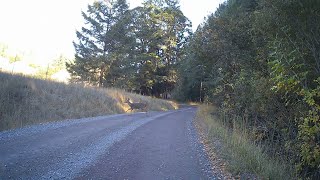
(156, 145)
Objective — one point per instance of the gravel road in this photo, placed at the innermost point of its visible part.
(159, 145)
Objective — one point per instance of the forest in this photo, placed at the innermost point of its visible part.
(258, 61)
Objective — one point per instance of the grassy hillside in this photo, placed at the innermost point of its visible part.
(26, 101)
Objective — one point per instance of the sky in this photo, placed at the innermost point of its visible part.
(45, 29)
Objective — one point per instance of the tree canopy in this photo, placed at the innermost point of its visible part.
(258, 60)
(136, 49)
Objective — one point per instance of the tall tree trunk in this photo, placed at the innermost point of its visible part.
(102, 70)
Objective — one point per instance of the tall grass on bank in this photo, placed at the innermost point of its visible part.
(25, 101)
(242, 156)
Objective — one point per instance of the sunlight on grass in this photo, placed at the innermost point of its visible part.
(26, 101)
(193, 103)
(241, 155)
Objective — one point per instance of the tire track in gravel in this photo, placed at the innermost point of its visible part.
(75, 148)
(167, 148)
(58, 150)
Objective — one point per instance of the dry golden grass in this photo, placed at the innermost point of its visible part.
(26, 101)
(153, 103)
(242, 156)
(193, 103)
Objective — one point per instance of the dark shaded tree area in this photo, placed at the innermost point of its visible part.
(259, 61)
(136, 49)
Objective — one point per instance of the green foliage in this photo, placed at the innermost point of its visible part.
(97, 41)
(3, 50)
(51, 68)
(159, 31)
(12, 57)
(309, 136)
(134, 49)
(259, 63)
(294, 64)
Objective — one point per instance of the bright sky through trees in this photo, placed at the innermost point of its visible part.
(46, 28)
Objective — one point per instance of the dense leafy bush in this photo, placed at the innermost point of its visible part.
(259, 61)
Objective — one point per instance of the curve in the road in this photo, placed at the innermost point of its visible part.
(161, 145)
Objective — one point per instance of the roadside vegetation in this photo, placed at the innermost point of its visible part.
(258, 61)
(243, 157)
(26, 101)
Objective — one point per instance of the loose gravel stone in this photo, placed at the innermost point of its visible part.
(161, 145)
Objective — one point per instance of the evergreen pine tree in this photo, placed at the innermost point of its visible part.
(96, 43)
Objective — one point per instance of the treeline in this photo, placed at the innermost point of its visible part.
(20, 62)
(259, 61)
(137, 50)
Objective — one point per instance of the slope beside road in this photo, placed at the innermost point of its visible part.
(156, 145)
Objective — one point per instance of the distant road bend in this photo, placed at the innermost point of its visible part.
(162, 145)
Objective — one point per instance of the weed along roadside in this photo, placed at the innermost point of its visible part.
(27, 101)
(232, 150)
